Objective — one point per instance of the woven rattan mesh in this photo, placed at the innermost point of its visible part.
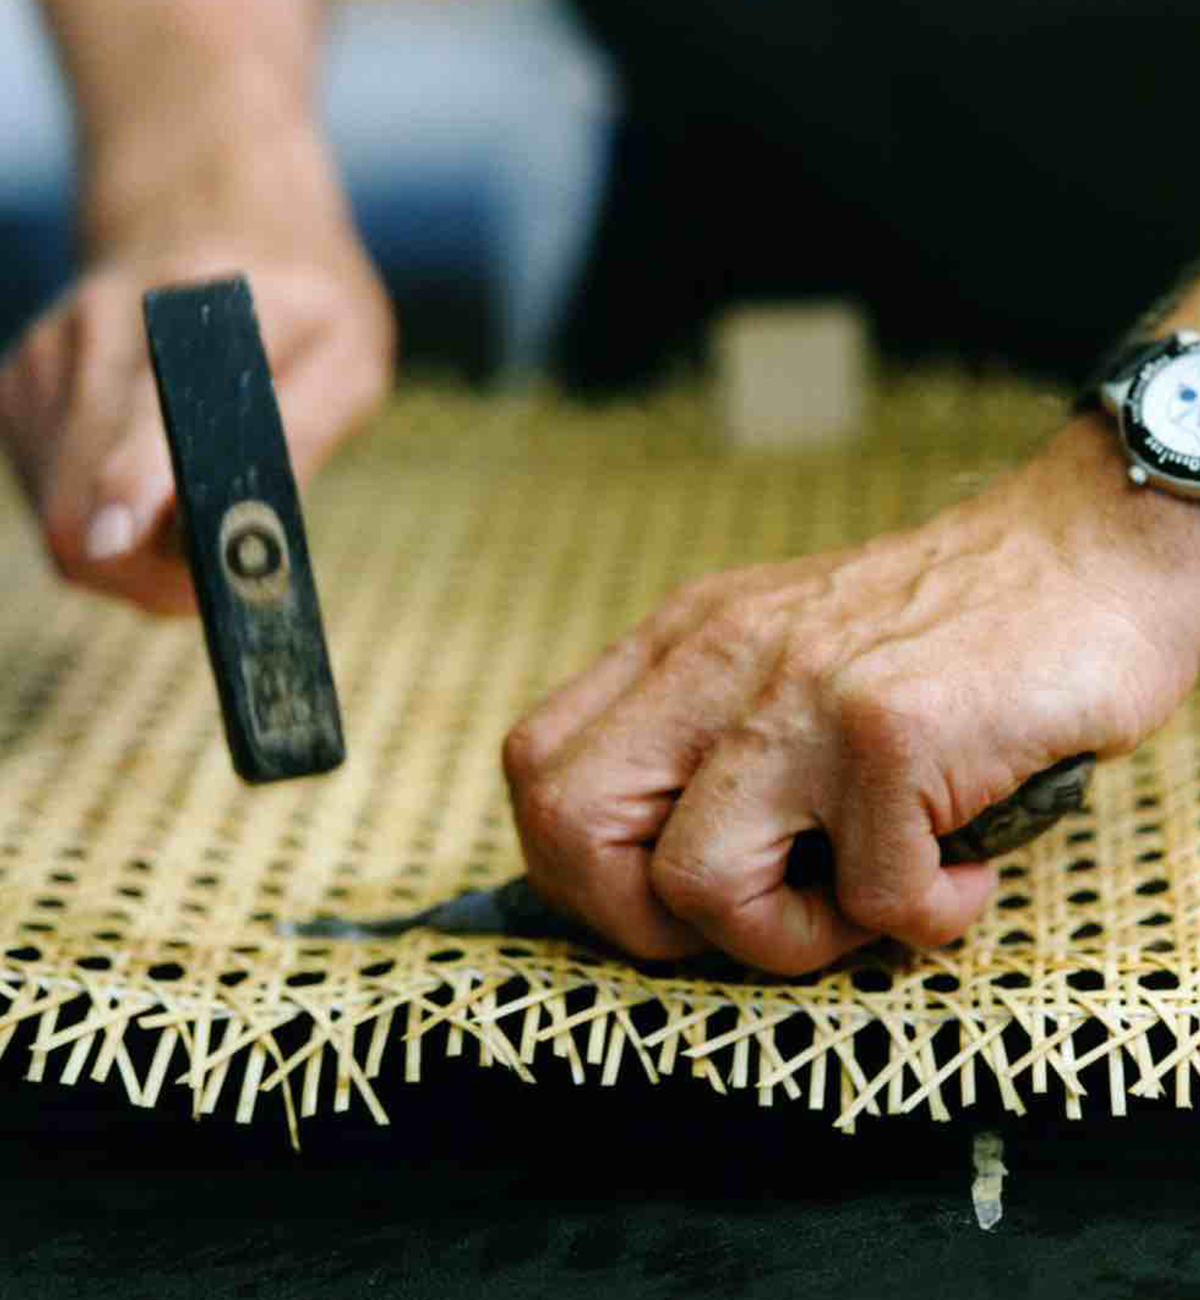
(471, 553)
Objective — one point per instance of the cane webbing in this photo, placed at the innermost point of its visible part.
(471, 553)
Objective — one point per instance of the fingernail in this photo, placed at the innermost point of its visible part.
(110, 533)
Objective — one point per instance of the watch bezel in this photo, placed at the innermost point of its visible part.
(1164, 465)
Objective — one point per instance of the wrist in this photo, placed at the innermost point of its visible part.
(193, 113)
(268, 177)
(1140, 544)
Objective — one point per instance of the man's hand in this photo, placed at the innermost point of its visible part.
(887, 695)
(79, 411)
(201, 158)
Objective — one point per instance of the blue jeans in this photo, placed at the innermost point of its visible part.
(473, 140)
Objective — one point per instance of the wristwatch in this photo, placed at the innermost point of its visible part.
(1152, 389)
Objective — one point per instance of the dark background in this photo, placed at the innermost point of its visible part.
(991, 180)
(484, 1186)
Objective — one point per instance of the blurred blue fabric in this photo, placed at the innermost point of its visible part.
(35, 168)
(473, 136)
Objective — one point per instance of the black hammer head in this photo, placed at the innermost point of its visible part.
(240, 512)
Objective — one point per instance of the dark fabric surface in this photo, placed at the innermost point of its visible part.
(1013, 179)
(487, 1187)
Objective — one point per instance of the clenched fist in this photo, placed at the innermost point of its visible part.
(886, 695)
(79, 413)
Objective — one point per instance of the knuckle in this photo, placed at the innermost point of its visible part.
(876, 906)
(760, 738)
(692, 592)
(29, 371)
(519, 754)
(732, 638)
(548, 884)
(883, 717)
(680, 606)
(632, 648)
(737, 621)
(714, 650)
(797, 683)
(658, 631)
(93, 309)
(691, 889)
(92, 294)
(802, 661)
(545, 813)
(35, 352)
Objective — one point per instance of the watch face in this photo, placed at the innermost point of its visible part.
(1162, 425)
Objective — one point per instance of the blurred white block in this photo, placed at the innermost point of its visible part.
(792, 375)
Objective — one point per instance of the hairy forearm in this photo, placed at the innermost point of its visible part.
(143, 67)
(207, 100)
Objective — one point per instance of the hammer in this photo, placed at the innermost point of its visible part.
(243, 532)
